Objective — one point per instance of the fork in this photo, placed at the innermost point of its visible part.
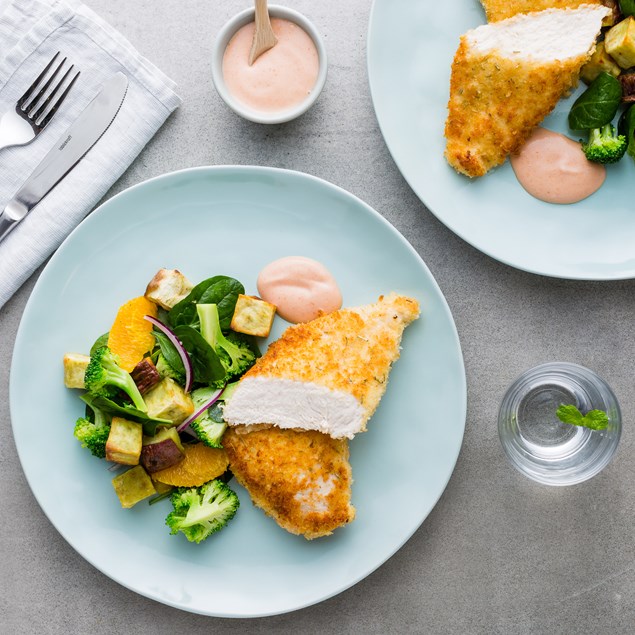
(33, 111)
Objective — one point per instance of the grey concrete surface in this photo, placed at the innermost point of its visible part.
(498, 554)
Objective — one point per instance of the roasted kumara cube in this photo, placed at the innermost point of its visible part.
(613, 17)
(167, 400)
(74, 368)
(133, 486)
(620, 43)
(167, 288)
(124, 441)
(599, 62)
(253, 316)
(145, 375)
(628, 87)
(161, 451)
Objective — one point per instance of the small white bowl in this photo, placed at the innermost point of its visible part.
(222, 40)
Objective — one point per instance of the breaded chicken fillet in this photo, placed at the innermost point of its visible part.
(496, 10)
(328, 374)
(508, 76)
(302, 479)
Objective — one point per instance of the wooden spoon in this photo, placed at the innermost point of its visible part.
(264, 38)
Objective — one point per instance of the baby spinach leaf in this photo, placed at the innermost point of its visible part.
(220, 290)
(207, 368)
(127, 412)
(100, 342)
(169, 351)
(597, 105)
(224, 294)
(627, 7)
(626, 127)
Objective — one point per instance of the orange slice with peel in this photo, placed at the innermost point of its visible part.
(130, 336)
(200, 465)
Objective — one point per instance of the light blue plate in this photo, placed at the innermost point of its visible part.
(410, 50)
(234, 220)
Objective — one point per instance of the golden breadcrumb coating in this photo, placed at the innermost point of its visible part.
(496, 102)
(351, 350)
(302, 479)
(496, 10)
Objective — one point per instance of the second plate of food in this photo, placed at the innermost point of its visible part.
(234, 221)
(410, 52)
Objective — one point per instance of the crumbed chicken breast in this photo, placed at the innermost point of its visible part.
(508, 76)
(496, 10)
(328, 374)
(302, 479)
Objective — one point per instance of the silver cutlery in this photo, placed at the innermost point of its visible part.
(35, 109)
(70, 148)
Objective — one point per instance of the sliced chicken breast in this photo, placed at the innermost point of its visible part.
(328, 374)
(508, 76)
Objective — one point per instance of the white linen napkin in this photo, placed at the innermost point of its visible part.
(31, 32)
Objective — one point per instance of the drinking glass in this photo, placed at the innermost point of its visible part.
(538, 444)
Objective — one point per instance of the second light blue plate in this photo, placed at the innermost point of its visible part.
(410, 50)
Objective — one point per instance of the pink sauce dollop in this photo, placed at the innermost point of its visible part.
(301, 288)
(553, 168)
(280, 78)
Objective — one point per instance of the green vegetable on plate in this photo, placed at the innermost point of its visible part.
(220, 290)
(210, 425)
(627, 7)
(604, 146)
(168, 362)
(208, 368)
(104, 375)
(92, 430)
(112, 408)
(626, 127)
(193, 357)
(201, 511)
(236, 356)
(594, 420)
(597, 105)
(100, 342)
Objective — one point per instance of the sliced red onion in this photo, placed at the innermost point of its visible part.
(208, 404)
(183, 354)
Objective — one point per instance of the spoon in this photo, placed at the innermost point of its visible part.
(264, 38)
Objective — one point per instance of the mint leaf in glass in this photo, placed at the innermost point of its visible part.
(594, 419)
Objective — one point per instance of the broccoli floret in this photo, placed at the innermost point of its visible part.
(236, 356)
(201, 511)
(209, 427)
(104, 373)
(604, 146)
(93, 434)
(166, 370)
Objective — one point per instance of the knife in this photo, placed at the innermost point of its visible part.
(69, 150)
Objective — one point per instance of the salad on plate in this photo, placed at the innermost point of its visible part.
(153, 387)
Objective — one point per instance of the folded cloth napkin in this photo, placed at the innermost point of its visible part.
(31, 32)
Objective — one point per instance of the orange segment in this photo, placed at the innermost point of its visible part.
(200, 465)
(131, 336)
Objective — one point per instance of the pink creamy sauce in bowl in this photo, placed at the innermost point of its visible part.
(281, 78)
(283, 82)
